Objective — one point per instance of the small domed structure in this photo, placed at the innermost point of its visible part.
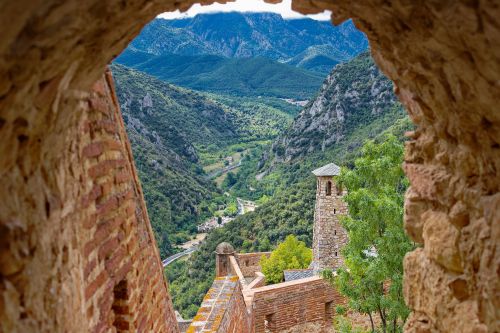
(224, 248)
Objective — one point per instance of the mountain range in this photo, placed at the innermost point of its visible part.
(355, 94)
(200, 92)
(305, 43)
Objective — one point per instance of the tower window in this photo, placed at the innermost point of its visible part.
(335, 253)
(335, 232)
(334, 211)
(329, 188)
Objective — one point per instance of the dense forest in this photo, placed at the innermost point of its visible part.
(289, 211)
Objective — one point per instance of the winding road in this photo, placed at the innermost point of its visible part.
(219, 172)
(176, 256)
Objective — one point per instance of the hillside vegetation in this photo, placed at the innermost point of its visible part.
(354, 95)
(235, 76)
(173, 132)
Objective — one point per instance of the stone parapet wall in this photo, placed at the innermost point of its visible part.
(249, 263)
(223, 309)
(287, 305)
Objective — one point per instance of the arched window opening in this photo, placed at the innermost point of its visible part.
(329, 188)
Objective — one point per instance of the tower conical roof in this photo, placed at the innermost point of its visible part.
(331, 169)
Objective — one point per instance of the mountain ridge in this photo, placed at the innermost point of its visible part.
(235, 76)
(244, 35)
(354, 94)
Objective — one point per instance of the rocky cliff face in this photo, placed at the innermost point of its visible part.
(353, 95)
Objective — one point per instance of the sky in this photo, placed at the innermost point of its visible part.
(284, 8)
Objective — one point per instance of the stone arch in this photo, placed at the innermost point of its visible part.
(443, 56)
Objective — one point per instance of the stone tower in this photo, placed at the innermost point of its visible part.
(328, 236)
(222, 262)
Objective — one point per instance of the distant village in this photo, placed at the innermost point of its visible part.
(214, 222)
(244, 206)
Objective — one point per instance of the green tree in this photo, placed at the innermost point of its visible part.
(291, 254)
(377, 242)
(230, 180)
(232, 209)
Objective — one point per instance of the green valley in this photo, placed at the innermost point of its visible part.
(179, 137)
(283, 183)
(235, 131)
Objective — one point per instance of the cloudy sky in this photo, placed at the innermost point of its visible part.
(283, 8)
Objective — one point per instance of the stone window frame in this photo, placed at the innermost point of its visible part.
(328, 188)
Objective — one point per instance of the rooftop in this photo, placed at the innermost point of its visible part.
(224, 248)
(297, 274)
(331, 169)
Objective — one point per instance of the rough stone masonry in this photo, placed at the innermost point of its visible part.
(443, 57)
(329, 237)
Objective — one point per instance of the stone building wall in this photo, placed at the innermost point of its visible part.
(89, 262)
(329, 236)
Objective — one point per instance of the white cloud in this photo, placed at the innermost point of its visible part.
(284, 8)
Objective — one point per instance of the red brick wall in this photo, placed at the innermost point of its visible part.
(124, 283)
(236, 318)
(77, 251)
(223, 309)
(292, 304)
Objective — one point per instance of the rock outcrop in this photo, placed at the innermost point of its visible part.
(443, 56)
(353, 95)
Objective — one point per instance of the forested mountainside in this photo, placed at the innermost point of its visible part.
(355, 94)
(235, 76)
(172, 130)
(287, 183)
(311, 44)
